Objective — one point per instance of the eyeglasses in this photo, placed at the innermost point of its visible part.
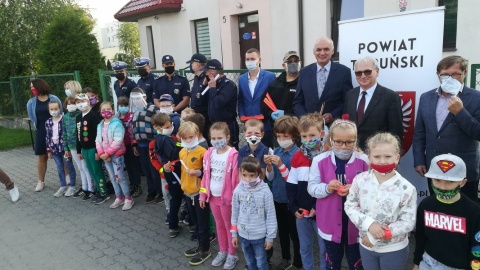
(454, 75)
(340, 143)
(367, 72)
(292, 61)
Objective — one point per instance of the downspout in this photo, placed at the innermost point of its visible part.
(300, 28)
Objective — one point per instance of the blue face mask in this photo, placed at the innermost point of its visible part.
(123, 110)
(310, 145)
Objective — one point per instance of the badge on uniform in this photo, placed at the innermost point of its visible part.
(176, 91)
(198, 95)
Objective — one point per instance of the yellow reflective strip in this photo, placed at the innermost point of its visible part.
(203, 190)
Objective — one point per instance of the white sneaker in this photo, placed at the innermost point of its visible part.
(219, 259)
(128, 205)
(40, 186)
(230, 262)
(70, 191)
(60, 192)
(14, 194)
(116, 203)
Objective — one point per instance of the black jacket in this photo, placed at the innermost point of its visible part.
(222, 103)
(282, 93)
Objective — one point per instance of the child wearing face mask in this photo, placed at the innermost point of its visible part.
(220, 177)
(110, 148)
(69, 131)
(254, 223)
(382, 205)
(254, 148)
(87, 123)
(436, 213)
(300, 203)
(165, 154)
(191, 157)
(278, 166)
(166, 106)
(93, 99)
(54, 141)
(198, 120)
(131, 160)
(331, 175)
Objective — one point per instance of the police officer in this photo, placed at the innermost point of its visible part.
(123, 86)
(199, 102)
(146, 77)
(173, 84)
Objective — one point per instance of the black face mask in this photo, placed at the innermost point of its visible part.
(120, 76)
(143, 72)
(170, 70)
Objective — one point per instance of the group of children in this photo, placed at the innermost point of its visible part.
(312, 186)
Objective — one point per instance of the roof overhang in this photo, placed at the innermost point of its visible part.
(137, 9)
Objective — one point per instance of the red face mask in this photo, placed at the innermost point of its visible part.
(383, 168)
(34, 91)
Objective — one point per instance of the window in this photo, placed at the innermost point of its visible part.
(344, 10)
(202, 37)
(450, 24)
(151, 47)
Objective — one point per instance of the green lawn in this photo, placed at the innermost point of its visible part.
(14, 137)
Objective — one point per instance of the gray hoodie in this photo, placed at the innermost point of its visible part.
(253, 213)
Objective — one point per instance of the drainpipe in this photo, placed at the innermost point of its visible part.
(300, 29)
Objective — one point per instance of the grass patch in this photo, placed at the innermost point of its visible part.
(13, 138)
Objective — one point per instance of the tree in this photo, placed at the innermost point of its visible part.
(128, 41)
(109, 65)
(67, 44)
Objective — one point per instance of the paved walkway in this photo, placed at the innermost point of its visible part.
(44, 232)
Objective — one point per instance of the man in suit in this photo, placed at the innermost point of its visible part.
(372, 107)
(448, 121)
(323, 83)
(252, 85)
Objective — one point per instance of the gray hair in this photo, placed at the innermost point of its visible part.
(366, 60)
(327, 39)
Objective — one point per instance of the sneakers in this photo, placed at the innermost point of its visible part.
(78, 193)
(87, 195)
(70, 191)
(101, 199)
(159, 199)
(40, 186)
(60, 192)
(191, 229)
(94, 197)
(219, 259)
(14, 194)
(174, 232)
(128, 205)
(230, 262)
(136, 191)
(116, 203)
(192, 252)
(212, 238)
(286, 264)
(150, 198)
(200, 257)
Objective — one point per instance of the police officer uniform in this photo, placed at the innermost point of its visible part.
(199, 102)
(126, 88)
(145, 82)
(178, 86)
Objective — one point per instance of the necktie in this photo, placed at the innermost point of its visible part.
(321, 80)
(361, 107)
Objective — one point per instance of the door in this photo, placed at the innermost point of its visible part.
(249, 35)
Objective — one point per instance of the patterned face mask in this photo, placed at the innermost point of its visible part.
(446, 194)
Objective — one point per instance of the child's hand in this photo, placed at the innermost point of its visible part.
(166, 167)
(312, 213)
(202, 204)
(104, 156)
(277, 160)
(235, 241)
(135, 151)
(108, 159)
(97, 157)
(333, 185)
(50, 156)
(376, 230)
(298, 213)
(268, 245)
(415, 267)
(192, 172)
(68, 154)
(267, 159)
(366, 242)
(80, 156)
(345, 190)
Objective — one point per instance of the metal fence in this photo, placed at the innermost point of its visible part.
(15, 93)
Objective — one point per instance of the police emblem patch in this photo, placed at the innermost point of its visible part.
(176, 91)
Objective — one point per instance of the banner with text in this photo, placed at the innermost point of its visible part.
(408, 46)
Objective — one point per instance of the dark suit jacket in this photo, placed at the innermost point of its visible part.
(459, 134)
(383, 113)
(306, 100)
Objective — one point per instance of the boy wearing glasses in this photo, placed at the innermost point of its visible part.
(372, 107)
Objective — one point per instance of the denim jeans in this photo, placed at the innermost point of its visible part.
(307, 233)
(394, 260)
(115, 170)
(255, 254)
(58, 157)
(429, 263)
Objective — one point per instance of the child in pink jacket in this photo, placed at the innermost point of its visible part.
(220, 177)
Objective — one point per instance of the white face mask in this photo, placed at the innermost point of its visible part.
(82, 106)
(253, 140)
(71, 107)
(251, 65)
(285, 143)
(68, 92)
(168, 110)
(451, 86)
(54, 113)
(167, 132)
(190, 145)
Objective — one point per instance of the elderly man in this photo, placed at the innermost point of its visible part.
(123, 86)
(146, 77)
(372, 107)
(330, 80)
(448, 121)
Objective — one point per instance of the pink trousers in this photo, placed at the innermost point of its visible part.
(223, 221)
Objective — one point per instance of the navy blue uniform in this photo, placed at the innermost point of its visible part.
(178, 87)
(198, 102)
(147, 85)
(125, 89)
